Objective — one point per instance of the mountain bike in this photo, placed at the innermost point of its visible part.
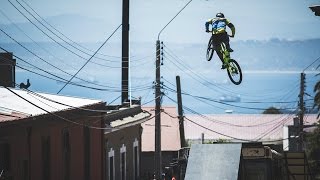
(232, 66)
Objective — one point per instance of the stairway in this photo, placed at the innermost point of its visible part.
(297, 167)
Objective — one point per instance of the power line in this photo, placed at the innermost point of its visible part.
(90, 58)
(228, 104)
(62, 80)
(55, 33)
(248, 102)
(311, 64)
(49, 72)
(42, 58)
(83, 86)
(173, 18)
(61, 32)
(65, 119)
(197, 76)
(60, 117)
(52, 37)
(240, 139)
(226, 123)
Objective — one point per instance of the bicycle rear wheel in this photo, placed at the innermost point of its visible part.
(234, 72)
(210, 50)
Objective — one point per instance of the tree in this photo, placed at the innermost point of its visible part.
(313, 139)
(313, 150)
(272, 110)
(317, 96)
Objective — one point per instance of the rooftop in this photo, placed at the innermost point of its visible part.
(170, 134)
(238, 127)
(14, 107)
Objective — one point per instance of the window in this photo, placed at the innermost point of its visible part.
(111, 170)
(45, 144)
(123, 162)
(86, 133)
(136, 159)
(66, 154)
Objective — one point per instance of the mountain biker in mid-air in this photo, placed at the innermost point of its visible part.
(219, 33)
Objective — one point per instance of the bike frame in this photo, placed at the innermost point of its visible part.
(232, 66)
(224, 53)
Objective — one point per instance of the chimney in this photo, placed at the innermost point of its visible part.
(7, 70)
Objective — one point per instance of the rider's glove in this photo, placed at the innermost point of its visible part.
(207, 30)
(232, 36)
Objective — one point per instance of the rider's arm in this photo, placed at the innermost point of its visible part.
(207, 24)
(231, 26)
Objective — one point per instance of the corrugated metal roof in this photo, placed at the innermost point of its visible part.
(170, 134)
(130, 119)
(264, 127)
(11, 101)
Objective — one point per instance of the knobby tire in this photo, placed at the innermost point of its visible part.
(210, 50)
(232, 75)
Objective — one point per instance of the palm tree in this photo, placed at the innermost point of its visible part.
(317, 96)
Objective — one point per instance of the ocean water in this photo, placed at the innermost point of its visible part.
(257, 92)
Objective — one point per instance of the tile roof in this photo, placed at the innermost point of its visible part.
(263, 127)
(11, 102)
(170, 134)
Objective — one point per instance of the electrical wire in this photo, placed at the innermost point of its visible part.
(42, 59)
(90, 58)
(62, 80)
(43, 20)
(60, 117)
(63, 46)
(197, 76)
(173, 18)
(234, 138)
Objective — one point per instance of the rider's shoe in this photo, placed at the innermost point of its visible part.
(229, 49)
(223, 66)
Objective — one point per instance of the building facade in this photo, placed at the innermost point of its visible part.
(40, 139)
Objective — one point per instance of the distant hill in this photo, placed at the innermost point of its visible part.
(275, 54)
(268, 55)
(76, 27)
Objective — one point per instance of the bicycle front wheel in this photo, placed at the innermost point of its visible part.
(234, 72)
(210, 50)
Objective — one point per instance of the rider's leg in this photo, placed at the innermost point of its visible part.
(219, 39)
(226, 40)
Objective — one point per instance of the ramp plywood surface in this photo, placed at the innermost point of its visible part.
(214, 162)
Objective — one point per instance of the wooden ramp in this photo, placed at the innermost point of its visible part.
(213, 161)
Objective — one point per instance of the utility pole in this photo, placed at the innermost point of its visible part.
(301, 109)
(158, 94)
(180, 113)
(125, 51)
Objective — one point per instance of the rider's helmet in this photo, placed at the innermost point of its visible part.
(220, 15)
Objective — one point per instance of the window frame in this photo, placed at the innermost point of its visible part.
(111, 155)
(136, 162)
(123, 150)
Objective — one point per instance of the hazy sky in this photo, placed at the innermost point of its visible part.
(254, 19)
